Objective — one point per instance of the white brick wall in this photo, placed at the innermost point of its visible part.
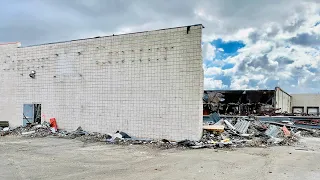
(147, 84)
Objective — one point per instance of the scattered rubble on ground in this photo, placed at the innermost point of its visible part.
(224, 133)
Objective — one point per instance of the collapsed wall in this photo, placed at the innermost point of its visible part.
(148, 84)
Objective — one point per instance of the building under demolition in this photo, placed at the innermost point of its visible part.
(260, 102)
(246, 102)
(148, 84)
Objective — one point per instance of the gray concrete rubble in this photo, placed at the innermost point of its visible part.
(235, 132)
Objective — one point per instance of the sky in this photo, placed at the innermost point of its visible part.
(247, 44)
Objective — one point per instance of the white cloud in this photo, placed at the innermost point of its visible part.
(200, 12)
(271, 58)
(211, 84)
(208, 51)
(212, 71)
(241, 83)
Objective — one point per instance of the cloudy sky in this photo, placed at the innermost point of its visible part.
(247, 44)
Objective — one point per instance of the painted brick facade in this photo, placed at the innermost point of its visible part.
(147, 84)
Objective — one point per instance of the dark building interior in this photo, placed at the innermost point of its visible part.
(239, 102)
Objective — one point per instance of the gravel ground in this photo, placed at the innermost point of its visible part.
(54, 158)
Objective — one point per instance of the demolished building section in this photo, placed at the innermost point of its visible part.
(265, 105)
(260, 102)
(239, 102)
(148, 84)
(246, 102)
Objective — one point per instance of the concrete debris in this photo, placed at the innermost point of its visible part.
(79, 131)
(226, 133)
(274, 140)
(250, 132)
(117, 136)
(28, 133)
(53, 130)
(45, 124)
(124, 135)
(38, 126)
(310, 133)
(186, 143)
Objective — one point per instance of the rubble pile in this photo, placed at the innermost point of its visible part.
(250, 132)
(310, 133)
(39, 130)
(82, 135)
(230, 133)
(223, 133)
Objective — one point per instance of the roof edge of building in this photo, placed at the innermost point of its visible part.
(282, 90)
(113, 35)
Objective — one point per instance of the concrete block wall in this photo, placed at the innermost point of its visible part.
(8, 81)
(148, 84)
(306, 101)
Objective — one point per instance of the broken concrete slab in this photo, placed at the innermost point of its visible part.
(38, 126)
(274, 140)
(28, 133)
(117, 136)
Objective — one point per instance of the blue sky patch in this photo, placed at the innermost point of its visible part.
(311, 69)
(253, 83)
(272, 83)
(228, 66)
(230, 48)
(224, 49)
(226, 80)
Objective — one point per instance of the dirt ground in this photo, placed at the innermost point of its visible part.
(53, 158)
